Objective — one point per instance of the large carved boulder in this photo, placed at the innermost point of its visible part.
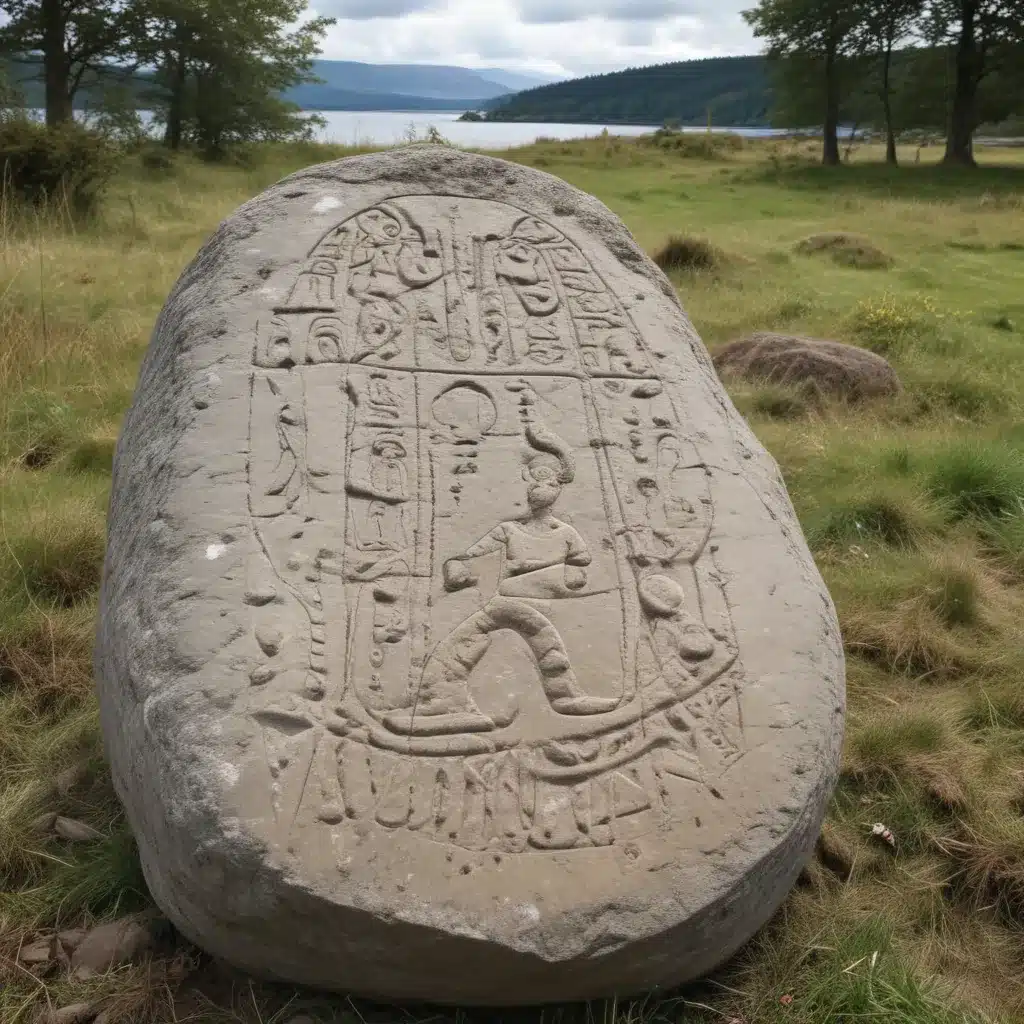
(458, 640)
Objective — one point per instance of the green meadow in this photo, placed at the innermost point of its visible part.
(913, 506)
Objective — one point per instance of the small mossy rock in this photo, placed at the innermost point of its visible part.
(458, 641)
(827, 367)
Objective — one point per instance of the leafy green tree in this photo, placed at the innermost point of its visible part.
(883, 26)
(222, 65)
(821, 35)
(985, 36)
(72, 38)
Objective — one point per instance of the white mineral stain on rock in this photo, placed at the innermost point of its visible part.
(229, 773)
(214, 551)
(327, 204)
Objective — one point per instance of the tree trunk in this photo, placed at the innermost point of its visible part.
(178, 75)
(830, 154)
(56, 72)
(890, 134)
(959, 141)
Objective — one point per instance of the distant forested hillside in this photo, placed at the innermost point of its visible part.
(735, 89)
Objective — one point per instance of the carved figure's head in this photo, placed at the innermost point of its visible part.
(543, 482)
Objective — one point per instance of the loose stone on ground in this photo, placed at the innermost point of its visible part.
(826, 367)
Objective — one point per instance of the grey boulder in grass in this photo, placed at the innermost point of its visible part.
(458, 641)
(826, 367)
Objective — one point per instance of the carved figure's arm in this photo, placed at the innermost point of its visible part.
(577, 555)
(457, 574)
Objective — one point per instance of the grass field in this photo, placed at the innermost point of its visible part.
(914, 508)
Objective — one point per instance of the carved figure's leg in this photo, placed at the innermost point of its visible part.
(557, 677)
(443, 704)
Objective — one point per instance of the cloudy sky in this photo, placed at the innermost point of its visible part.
(570, 37)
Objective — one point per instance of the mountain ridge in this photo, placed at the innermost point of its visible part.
(346, 85)
(731, 91)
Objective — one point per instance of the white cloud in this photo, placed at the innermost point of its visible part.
(570, 37)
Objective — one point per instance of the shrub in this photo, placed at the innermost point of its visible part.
(681, 252)
(66, 164)
(889, 323)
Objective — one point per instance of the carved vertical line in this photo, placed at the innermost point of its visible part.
(419, 588)
(460, 342)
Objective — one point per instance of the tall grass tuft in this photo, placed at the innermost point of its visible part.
(978, 479)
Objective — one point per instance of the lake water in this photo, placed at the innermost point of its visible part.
(383, 128)
(387, 127)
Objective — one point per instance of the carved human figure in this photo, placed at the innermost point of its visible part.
(542, 559)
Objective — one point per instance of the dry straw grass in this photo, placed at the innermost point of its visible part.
(914, 507)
